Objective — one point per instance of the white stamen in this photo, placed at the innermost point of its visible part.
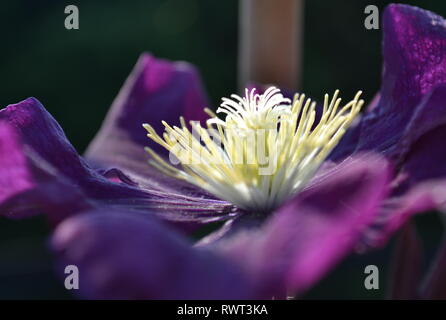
(265, 151)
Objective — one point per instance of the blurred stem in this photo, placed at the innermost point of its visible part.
(406, 264)
(435, 284)
(270, 36)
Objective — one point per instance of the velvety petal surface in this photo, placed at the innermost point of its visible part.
(408, 124)
(156, 90)
(127, 256)
(419, 187)
(38, 156)
(40, 132)
(26, 187)
(308, 235)
(414, 54)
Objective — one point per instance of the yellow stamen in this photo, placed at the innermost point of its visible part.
(265, 151)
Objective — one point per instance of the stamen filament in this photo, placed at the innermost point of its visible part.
(264, 152)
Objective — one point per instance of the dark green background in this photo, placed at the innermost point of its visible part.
(76, 74)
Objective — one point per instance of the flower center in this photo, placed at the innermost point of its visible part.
(265, 150)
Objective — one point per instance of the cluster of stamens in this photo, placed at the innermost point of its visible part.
(264, 151)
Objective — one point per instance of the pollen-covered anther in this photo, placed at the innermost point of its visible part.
(264, 151)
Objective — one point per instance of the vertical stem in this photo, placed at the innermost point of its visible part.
(270, 42)
(435, 285)
(406, 265)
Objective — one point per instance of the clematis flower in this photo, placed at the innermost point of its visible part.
(124, 223)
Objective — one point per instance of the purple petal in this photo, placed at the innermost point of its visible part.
(312, 232)
(17, 176)
(420, 184)
(414, 49)
(28, 184)
(426, 159)
(40, 132)
(419, 187)
(126, 256)
(409, 122)
(414, 52)
(156, 90)
(41, 158)
(397, 210)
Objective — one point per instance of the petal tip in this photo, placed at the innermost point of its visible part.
(400, 13)
(28, 102)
